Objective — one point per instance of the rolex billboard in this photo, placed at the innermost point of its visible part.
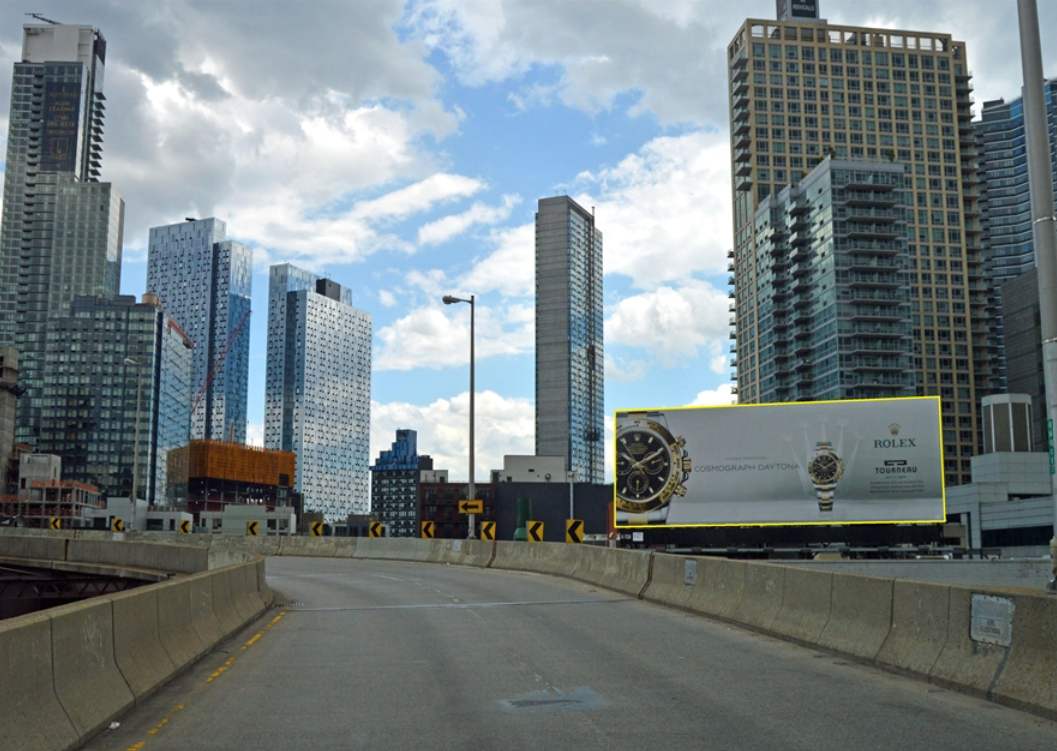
(845, 462)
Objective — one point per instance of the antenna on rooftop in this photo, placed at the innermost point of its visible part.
(42, 18)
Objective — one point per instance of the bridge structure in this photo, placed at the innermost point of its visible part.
(69, 672)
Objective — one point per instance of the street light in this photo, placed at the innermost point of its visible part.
(449, 300)
(135, 445)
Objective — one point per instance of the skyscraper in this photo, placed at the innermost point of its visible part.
(801, 89)
(852, 214)
(204, 281)
(110, 358)
(62, 229)
(318, 390)
(1009, 248)
(570, 369)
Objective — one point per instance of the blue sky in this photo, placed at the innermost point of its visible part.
(400, 148)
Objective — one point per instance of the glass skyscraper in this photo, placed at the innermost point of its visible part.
(802, 89)
(834, 304)
(62, 229)
(103, 350)
(570, 368)
(318, 390)
(1009, 248)
(205, 281)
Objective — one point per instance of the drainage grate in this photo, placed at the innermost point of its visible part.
(287, 605)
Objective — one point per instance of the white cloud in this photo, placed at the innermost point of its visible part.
(254, 433)
(432, 337)
(444, 229)
(664, 211)
(671, 323)
(511, 268)
(618, 369)
(386, 298)
(502, 426)
(721, 395)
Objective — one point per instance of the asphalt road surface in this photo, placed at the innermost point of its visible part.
(388, 655)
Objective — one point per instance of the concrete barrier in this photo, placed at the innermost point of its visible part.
(1029, 678)
(31, 717)
(964, 664)
(138, 650)
(203, 615)
(720, 589)
(233, 579)
(88, 683)
(762, 596)
(176, 628)
(225, 606)
(592, 565)
(668, 582)
(920, 623)
(805, 605)
(860, 616)
(32, 546)
(370, 547)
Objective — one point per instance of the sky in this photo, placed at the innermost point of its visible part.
(400, 149)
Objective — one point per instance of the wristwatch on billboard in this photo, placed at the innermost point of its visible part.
(824, 469)
(652, 466)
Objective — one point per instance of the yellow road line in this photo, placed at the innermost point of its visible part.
(219, 671)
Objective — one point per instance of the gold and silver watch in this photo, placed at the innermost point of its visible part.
(824, 469)
(652, 467)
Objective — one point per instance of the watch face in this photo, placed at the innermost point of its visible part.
(825, 468)
(646, 472)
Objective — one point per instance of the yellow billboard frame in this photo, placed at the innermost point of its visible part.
(943, 481)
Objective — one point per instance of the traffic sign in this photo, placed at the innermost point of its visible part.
(535, 531)
(317, 529)
(377, 529)
(574, 531)
(471, 507)
(487, 530)
(251, 528)
(185, 526)
(427, 530)
(118, 525)
(55, 522)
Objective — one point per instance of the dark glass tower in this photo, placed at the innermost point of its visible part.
(62, 229)
(570, 377)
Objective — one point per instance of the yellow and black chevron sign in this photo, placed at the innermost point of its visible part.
(574, 531)
(427, 530)
(317, 529)
(185, 526)
(535, 531)
(487, 530)
(377, 529)
(118, 525)
(251, 528)
(55, 523)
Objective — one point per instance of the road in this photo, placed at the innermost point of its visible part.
(390, 655)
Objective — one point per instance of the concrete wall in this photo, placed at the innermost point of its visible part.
(70, 670)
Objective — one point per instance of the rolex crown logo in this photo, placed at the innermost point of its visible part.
(894, 428)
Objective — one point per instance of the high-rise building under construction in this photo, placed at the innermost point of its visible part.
(800, 90)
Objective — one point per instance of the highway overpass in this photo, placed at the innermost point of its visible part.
(449, 644)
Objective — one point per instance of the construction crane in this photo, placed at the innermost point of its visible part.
(220, 361)
(42, 18)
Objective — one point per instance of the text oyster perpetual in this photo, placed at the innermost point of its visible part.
(652, 467)
(825, 468)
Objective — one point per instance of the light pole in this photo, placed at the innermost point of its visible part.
(449, 300)
(135, 445)
(1040, 188)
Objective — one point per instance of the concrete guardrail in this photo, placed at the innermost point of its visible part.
(68, 671)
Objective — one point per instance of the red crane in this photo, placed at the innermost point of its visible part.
(220, 361)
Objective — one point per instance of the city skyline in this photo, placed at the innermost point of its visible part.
(464, 124)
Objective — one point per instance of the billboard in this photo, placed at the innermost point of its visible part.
(62, 114)
(842, 462)
(790, 10)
